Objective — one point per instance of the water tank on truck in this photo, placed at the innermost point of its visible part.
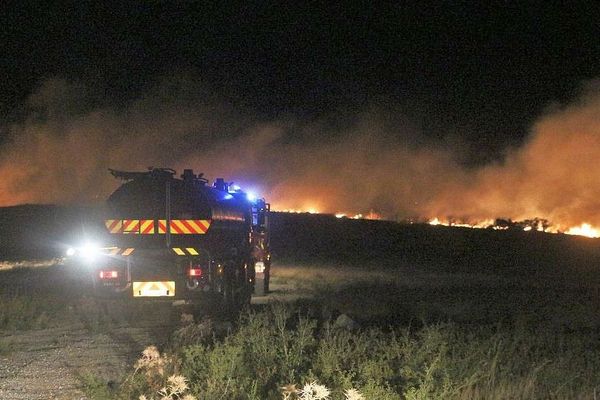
(181, 238)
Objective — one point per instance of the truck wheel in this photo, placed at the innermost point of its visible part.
(228, 300)
(232, 290)
(244, 288)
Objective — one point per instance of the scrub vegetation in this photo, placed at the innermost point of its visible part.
(418, 335)
(28, 300)
(274, 353)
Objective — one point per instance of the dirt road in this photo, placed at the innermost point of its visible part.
(84, 339)
(50, 363)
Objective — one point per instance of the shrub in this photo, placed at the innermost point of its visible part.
(280, 354)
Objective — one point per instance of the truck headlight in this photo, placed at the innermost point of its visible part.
(89, 251)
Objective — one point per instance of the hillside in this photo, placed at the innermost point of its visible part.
(42, 231)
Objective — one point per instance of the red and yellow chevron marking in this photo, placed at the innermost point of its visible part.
(117, 251)
(192, 251)
(128, 251)
(114, 225)
(185, 251)
(185, 226)
(154, 289)
(147, 226)
(130, 226)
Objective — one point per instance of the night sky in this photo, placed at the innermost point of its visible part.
(482, 73)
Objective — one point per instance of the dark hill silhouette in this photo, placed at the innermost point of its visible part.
(42, 231)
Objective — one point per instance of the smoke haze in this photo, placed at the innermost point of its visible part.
(554, 175)
(61, 151)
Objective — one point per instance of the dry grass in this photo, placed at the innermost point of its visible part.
(8, 265)
(280, 354)
(423, 335)
(407, 296)
(340, 276)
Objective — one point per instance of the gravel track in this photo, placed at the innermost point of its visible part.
(48, 363)
(88, 338)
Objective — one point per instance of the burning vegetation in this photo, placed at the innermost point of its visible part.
(371, 163)
(527, 225)
(536, 224)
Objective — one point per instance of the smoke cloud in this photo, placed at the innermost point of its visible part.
(61, 151)
(554, 175)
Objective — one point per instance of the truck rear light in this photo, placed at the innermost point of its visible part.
(195, 272)
(109, 274)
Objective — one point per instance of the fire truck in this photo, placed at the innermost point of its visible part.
(170, 238)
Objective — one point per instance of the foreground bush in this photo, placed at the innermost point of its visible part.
(273, 355)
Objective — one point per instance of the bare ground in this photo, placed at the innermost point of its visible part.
(50, 363)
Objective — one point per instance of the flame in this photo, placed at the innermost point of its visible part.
(584, 229)
(436, 221)
(536, 225)
(312, 210)
(475, 225)
(298, 211)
